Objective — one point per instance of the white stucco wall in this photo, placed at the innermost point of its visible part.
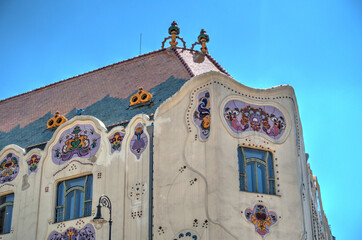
(215, 196)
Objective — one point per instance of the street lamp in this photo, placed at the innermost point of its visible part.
(98, 220)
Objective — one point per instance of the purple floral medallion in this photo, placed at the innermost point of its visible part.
(80, 141)
(243, 117)
(202, 115)
(261, 218)
(116, 141)
(139, 141)
(9, 168)
(33, 163)
(86, 233)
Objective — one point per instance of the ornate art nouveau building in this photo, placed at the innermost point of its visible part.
(194, 154)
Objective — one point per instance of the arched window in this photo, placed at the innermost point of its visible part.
(6, 213)
(256, 171)
(74, 198)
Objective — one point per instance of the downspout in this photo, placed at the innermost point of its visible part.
(150, 203)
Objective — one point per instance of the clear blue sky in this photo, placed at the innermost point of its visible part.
(315, 46)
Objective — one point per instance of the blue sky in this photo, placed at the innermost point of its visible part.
(315, 46)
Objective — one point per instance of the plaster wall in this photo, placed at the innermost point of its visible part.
(115, 174)
(198, 181)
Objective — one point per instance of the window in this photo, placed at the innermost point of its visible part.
(74, 198)
(256, 171)
(6, 212)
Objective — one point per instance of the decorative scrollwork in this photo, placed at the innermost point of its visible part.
(104, 201)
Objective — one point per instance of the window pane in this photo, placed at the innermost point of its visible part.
(254, 153)
(270, 166)
(242, 183)
(251, 177)
(89, 188)
(271, 187)
(60, 201)
(75, 182)
(241, 161)
(2, 199)
(69, 206)
(87, 208)
(261, 178)
(59, 217)
(2, 219)
(78, 204)
(8, 218)
(10, 198)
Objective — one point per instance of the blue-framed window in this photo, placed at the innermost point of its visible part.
(6, 213)
(74, 198)
(256, 170)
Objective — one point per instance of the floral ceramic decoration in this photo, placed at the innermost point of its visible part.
(261, 218)
(9, 168)
(202, 115)
(243, 117)
(139, 141)
(116, 141)
(79, 141)
(186, 235)
(33, 163)
(86, 233)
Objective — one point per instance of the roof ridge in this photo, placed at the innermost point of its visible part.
(217, 64)
(184, 63)
(211, 59)
(80, 75)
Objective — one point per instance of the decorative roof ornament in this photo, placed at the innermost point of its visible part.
(203, 38)
(174, 31)
(56, 121)
(140, 97)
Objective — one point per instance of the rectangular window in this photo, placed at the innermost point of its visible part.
(6, 213)
(74, 198)
(256, 171)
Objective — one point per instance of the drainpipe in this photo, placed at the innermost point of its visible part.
(150, 203)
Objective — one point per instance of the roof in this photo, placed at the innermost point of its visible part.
(103, 93)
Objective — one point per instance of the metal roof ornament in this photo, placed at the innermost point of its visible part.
(56, 121)
(174, 31)
(141, 97)
(203, 38)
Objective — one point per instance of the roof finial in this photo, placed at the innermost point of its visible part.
(174, 31)
(203, 38)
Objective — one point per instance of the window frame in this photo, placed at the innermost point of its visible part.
(69, 190)
(243, 162)
(5, 205)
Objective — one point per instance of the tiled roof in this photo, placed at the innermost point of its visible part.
(161, 72)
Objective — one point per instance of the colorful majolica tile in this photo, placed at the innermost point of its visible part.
(33, 163)
(9, 168)
(86, 233)
(80, 141)
(261, 218)
(202, 115)
(139, 141)
(243, 117)
(116, 141)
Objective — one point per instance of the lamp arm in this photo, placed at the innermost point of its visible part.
(106, 202)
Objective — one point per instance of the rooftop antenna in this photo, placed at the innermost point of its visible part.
(140, 43)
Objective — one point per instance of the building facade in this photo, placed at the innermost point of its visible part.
(194, 154)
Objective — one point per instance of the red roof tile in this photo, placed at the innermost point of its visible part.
(118, 80)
